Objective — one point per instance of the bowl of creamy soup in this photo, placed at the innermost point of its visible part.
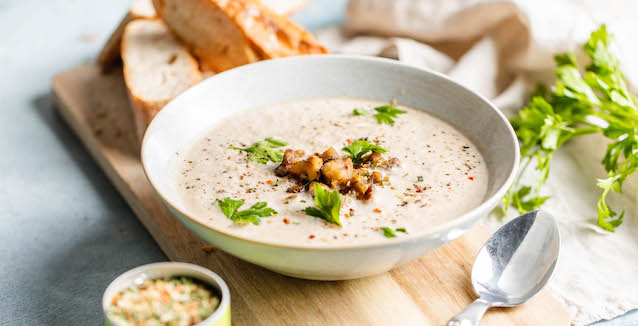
(329, 167)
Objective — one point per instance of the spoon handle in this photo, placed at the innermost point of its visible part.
(471, 315)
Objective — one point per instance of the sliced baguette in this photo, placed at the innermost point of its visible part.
(143, 9)
(140, 9)
(224, 34)
(156, 68)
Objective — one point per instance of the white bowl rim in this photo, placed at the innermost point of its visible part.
(396, 241)
(224, 301)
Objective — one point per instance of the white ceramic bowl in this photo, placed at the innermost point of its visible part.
(189, 115)
(136, 276)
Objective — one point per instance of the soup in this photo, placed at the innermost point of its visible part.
(397, 171)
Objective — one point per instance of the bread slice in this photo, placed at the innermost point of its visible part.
(140, 9)
(156, 68)
(224, 34)
(143, 9)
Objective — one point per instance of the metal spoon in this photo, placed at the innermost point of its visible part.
(513, 266)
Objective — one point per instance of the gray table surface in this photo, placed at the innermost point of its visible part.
(65, 231)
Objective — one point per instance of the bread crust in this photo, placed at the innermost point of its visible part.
(285, 7)
(259, 23)
(110, 53)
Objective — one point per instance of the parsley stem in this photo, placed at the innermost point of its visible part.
(514, 186)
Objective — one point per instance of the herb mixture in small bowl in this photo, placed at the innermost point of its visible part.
(174, 294)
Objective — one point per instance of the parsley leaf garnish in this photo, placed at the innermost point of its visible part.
(549, 120)
(252, 215)
(386, 113)
(328, 205)
(390, 233)
(360, 111)
(359, 148)
(264, 151)
(229, 206)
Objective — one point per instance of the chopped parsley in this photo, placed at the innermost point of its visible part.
(387, 113)
(360, 111)
(360, 147)
(419, 178)
(328, 205)
(390, 233)
(252, 215)
(264, 151)
(597, 101)
(163, 301)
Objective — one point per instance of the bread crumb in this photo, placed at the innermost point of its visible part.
(208, 249)
(88, 38)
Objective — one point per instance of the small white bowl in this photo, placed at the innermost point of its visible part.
(188, 116)
(136, 276)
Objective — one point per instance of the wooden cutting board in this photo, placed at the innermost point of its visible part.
(428, 291)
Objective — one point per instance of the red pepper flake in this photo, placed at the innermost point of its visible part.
(311, 236)
(346, 215)
(471, 178)
(349, 140)
(269, 182)
(286, 220)
(376, 210)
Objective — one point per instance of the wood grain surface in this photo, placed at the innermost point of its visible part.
(427, 291)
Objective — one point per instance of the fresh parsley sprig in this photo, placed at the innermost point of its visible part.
(328, 205)
(384, 114)
(598, 101)
(252, 215)
(264, 151)
(360, 147)
(387, 113)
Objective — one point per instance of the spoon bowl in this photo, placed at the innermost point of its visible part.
(514, 265)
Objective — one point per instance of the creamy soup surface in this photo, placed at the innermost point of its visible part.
(442, 175)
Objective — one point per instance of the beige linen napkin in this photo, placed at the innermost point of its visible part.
(499, 49)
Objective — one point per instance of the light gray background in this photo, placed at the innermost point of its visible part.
(65, 232)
